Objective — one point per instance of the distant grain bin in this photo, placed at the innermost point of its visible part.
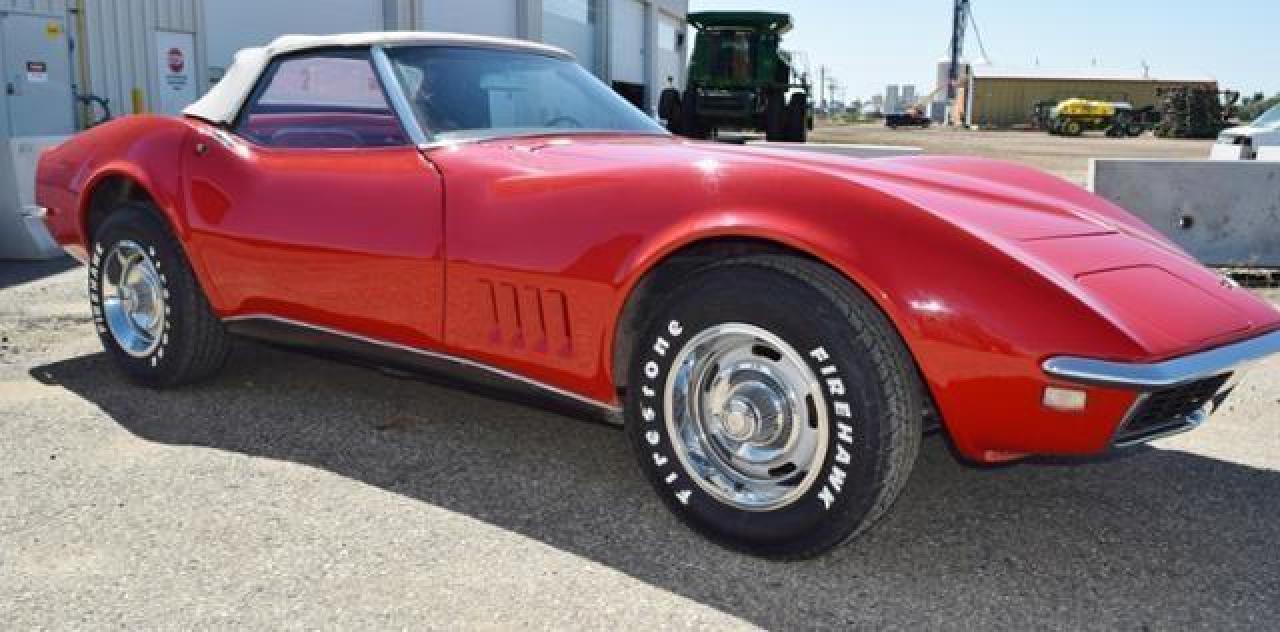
(892, 99)
(1003, 97)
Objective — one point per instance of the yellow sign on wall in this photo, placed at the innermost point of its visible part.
(53, 30)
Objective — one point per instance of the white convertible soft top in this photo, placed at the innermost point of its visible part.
(221, 103)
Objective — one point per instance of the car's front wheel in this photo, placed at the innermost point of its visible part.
(773, 406)
(150, 312)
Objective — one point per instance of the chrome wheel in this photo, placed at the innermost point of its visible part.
(746, 416)
(133, 301)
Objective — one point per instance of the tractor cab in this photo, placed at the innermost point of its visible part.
(740, 78)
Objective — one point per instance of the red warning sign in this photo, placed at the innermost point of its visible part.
(176, 61)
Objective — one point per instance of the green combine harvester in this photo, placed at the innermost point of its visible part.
(740, 78)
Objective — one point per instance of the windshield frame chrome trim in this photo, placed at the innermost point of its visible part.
(424, 140)
(399, 100)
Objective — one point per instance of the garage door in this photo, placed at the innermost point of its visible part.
(626, 44)
(230, 25)
(670, 57)
(574, 26)
(479, 17)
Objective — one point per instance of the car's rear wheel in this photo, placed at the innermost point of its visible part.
(150, 313)
(796, 129)
(773, 406)
(775, 111)
(690, 125)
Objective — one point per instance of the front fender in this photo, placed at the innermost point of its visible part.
(978, 321)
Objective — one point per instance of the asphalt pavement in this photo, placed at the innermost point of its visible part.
(295, 492)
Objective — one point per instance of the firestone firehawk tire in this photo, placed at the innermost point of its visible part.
(149, 311)
(773, 407)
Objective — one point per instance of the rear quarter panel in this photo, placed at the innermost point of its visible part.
(146, 149)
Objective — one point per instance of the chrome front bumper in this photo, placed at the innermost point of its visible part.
(1176, 395)
(1168, 374)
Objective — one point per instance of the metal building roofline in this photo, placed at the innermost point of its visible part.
(1089, 74)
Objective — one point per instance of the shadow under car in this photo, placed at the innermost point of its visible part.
(1158, 538)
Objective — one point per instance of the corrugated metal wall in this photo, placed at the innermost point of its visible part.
(42, 7)
(119, 41)
(403, 15)
(1003, 102)
(121, 45)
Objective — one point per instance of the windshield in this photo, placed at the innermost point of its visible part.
(729, 55)
(1268, 118)
(468, 93)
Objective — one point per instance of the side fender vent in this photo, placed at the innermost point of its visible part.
(527, 317)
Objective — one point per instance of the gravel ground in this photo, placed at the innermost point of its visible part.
(1066, 157)
(293, 492)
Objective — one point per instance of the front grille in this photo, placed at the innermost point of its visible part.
(1170, 409)
(724, 102)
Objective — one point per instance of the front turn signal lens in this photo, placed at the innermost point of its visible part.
(1067, 400)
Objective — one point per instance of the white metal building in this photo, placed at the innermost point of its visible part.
(160, 55)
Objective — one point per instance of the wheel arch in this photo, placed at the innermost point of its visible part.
(107, 192)
(664, 273)
(663, 270)
(133, 158)
(114, 185)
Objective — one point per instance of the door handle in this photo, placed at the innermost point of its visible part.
(10, 89)
(201, 149)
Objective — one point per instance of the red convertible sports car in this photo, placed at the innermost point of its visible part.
(775, 329)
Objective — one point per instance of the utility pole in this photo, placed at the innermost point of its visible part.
(959, 19)
(822, 84)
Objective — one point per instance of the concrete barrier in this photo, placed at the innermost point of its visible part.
(23, 236)
(1225, 213)
(841, 149)
(1269, 152)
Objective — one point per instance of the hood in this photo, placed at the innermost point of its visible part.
(996, 200)
(989, 197)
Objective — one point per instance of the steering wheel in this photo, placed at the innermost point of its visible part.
(568, 121)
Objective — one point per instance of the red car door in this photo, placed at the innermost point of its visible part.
(317, 208)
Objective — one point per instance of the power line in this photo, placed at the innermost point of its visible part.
(978, 34)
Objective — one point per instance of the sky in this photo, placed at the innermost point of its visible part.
(867, 44)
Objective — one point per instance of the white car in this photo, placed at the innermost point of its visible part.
(1259, 140)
